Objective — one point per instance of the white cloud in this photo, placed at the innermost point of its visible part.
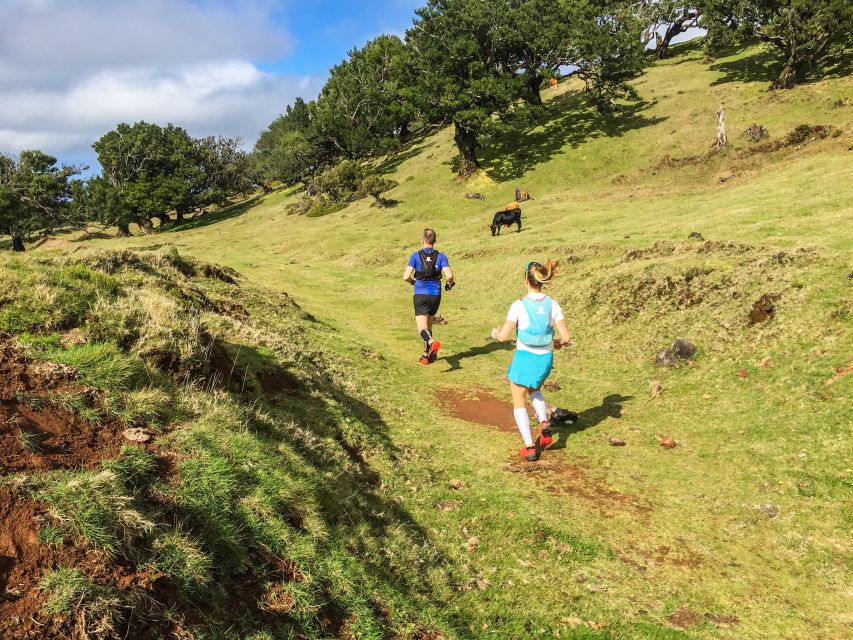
(70, 71)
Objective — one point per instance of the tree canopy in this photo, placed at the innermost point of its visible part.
(34, 195)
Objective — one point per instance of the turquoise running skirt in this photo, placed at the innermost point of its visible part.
(530, 369)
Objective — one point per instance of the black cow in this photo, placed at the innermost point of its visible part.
(505, 219)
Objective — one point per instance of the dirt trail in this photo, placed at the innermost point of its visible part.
(557, 472)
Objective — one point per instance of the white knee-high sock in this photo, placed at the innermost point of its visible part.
(522, 420)
(539, 406)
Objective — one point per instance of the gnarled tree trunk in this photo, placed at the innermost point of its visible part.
(788, 78)
(534, 83)
(17, 243)
(123, 230)
(466, 142)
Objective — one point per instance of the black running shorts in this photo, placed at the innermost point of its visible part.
(426, 305)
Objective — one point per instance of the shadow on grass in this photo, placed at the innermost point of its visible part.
(575, 121)
(610, 407)
(455, 360)
(412, 150)
(761, 66)
(222, 215)
(765, 65)
(329, 430)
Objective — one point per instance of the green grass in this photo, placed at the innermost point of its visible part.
(96, 609)
(332, 439)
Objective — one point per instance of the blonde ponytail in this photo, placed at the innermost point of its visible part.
(538, 274)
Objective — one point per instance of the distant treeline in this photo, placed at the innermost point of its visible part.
(478, 66)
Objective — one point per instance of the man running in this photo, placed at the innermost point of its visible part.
(424, 270)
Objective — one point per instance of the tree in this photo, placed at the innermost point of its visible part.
(152, 169)
(363, 106)
(225, 169)
(34, 195)
(665, 19)
(543, 32)
(290, 149)
(465, 69)
(608, 50)
(805, 32)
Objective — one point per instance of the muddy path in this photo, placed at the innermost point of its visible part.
(559, 472)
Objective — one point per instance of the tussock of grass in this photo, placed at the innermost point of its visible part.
(102, 365)
(95, 507)
(97, 609)
(179, 558)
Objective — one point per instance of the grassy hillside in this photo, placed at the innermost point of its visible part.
(739, 532)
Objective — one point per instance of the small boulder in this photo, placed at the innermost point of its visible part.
(695, 235)
(666, 442)
(475, 196)
(681, 349)
(616, 442)
(136, 435)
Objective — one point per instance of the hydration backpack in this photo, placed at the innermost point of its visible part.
(429, 266)
(538, 332)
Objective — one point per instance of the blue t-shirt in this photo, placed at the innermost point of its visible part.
(428, 287)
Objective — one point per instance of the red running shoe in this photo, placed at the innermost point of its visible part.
(546, 436)
(433, 350)
(424, 359)
(531, 454)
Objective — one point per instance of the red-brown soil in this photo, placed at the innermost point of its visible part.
(35, 435)
(24, 560)
(479, 407)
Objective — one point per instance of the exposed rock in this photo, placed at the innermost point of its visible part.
(666, 442)
(136, 435)
(475, 196)
(616, 442)
(681, 349)
(770, 510)
(696, 235)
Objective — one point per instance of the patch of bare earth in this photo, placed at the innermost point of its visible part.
(553, 472)
(37, 435)
(685, 618)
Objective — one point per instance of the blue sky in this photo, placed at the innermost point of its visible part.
(70, 70)
(324, 31)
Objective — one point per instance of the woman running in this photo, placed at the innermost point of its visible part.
(534, 317)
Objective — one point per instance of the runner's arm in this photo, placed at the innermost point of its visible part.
(408, 275)
(565, 338)
(448, 275)
(504, 332)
